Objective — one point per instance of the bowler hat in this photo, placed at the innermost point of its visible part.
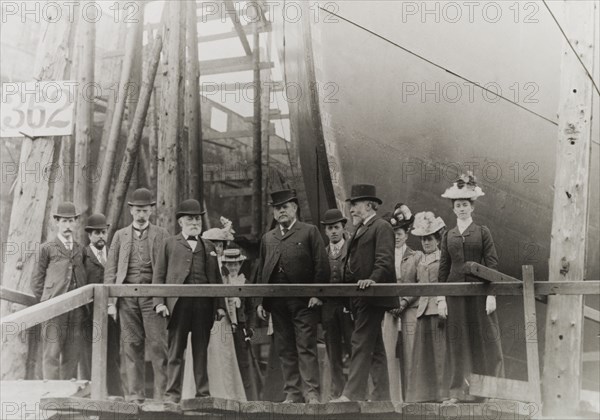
(232, 255)
(96, 221)
(142, 197)
(66, 209)
(189, 207)
(332, 216)
(363, 192)
(283, 196)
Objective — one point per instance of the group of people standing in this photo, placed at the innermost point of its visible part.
(399, 348)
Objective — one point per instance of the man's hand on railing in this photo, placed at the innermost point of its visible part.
(262, 314)
(490, 305)
(162, 310)
(220, 314)
(313, 302)
(442, 307)
(363, 284)
(112, 311)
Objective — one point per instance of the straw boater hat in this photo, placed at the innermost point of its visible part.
(232, 255)
(220, 234)
(66, 209)
(142, 197)
(464, 188)
(332, 216)
(96, 222)
(427, 224)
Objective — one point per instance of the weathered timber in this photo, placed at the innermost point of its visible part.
(265, 128)
(248, 29)
(31, 194)
(100, 343)
(564, 318)
(230, 65)
(133, 140)
(531, 335)
(238, 26)
(171, 123)
(506, 389)
(15, 296)
(73, 406)
(486, 274)
(117, 120)
(257, 204)
(308, 290)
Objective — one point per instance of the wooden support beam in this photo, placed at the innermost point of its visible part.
(265, 110)
(133, 139)
(231, 134)
(229, 6)
(488, 275)
(100, 343)
(591, 314)
(564, 319)
(531, 335)
(14, 296)
(257, 204)
(505, 389)
(171, 124)
(230, 65)
(210, 87)
(265, 27)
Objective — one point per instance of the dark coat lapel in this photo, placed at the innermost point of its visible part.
(93, 256)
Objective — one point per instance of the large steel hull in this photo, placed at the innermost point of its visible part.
(382, 115)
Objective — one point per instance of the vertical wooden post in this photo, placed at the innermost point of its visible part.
(183, 155)
(153, 144)
(117, 120)
(193, 111)
(100, 343)
(531, 339)
(170, 119)
(31, 193)
(84, 115)
(257, 139)
(265, 100)
(564, 321)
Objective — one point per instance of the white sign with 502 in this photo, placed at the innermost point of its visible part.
(37, 109)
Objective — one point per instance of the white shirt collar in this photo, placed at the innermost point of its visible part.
(65, 241)
(337, 247)
(289, 227)
(144, 226)
(434, 256)
(368, 218)
(192, 244)
(400, 251)
(98, 252)
(462, 225)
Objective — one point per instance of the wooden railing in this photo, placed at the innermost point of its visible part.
(485, 282)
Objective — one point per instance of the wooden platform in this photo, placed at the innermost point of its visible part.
(222, 409)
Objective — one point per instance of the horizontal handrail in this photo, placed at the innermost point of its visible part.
(487, 275)
(44, 311)
(14, 296)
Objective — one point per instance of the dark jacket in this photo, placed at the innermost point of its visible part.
(301, 253)
(371, 256)
(93, 268)
(55, 268)
(475, 244)
(120, 250)
(174, 263)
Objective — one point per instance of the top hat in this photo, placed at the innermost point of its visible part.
(96, 221)
(189, 207)
(427, 224)
(283, 196)
(232, 255)
(332, 216)
(66, 209)
(363, 192)
(142, 197)
(464, 188)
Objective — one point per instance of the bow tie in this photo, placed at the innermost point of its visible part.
(140, 231)
(192, 238)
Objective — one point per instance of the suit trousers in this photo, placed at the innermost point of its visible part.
(62, 343)
(368, 354)
(113, 364)
(295, 331)
(141, 327)
(195, 315)
(337, 326)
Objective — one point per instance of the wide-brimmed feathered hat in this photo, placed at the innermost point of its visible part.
(464, 188)
(220, 234)
(426, 224)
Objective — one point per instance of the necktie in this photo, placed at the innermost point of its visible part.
(284, 231)
(101, 258)
(69, 246)
(192, 238)
(140, 232)
(360, 229)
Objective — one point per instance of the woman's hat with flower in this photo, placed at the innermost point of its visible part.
(427, 224)
(464, 188)
(401, 218)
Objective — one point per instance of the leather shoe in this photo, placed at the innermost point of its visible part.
(341, 398)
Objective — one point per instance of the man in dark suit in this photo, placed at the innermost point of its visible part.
(131, 260)
(335, 317)
(188, 259)
(60, 270)
(369, 260)
(293, 252)
(94, 260)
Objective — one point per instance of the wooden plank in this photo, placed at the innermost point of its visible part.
(73, 405)
(36, 314)
(307, 290)
(277, 86)
(483, 273)
(491, 409)
(591, 313)
(506, 389)
(15, 296)
(232, 34)
(100, 343)
(230, 65)
(564, 319)
(238, 27)
(210, 405)
(591, 357)
(590, 402)
(531, 337)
